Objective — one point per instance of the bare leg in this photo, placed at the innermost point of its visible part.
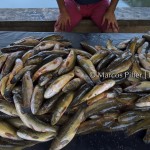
(98, 13)
(74, 15)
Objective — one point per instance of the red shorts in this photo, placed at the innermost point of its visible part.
(94, 11)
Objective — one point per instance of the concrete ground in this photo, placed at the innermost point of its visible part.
(131, 20)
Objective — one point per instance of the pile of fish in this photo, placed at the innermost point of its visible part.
(52, 91)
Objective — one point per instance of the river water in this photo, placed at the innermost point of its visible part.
(53, 3)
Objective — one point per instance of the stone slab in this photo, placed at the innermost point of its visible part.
(50, 14)
(43, 20)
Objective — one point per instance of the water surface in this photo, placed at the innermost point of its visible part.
(53, 3)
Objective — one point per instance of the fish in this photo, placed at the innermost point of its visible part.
(81, 52)
(141, 108)
(120, 126)
(105, 62)
(7, 146)
(61, 107)
(98, 89)
(100, 47)
(67, 133)
(79, 72)
(17, 142)
(29, 120)
(58, 84)
(72, 85)
(143, 49)
(53, 37)
(45, 78)
(100, 106)
(44, 54)
(143, 86)
(17, 89)
(17, 67)
(95, 124)
(111, 115)
(16, 122)
(49, 44)
(89, 68)
(80, 93)
(3, 59)
(145, 63)
(136, 69)
(48, 59)
(10, 62)
(68, 64)
(60, 52)
(47, 119)
(34, 61)
(8, 108)
(44, 45)
(133, 116)
(143, 101)
(27, 55)
(148, 57)
(65, 43)
(97, 129)
(141, 125)
(146, 37)
(107, 94)
(9, 87)
(140, 43)
(113, 49)
(92, 50)
(20, 74)
(5, 116)
(8, 131)
(40, 55)
(8, 92)
(64, 119)
(37, 99)
(145, 73)
(63, 40)
(27, 41)
(96, 58)
(132, 45)
(117, 89)
(51, 66)
(119, 60)
(106, 108)
(27, 91)
(123, 45)
(49, 103)
(57, 46)
(123, 67)
(15, 48)
(127, 98)
(3, 84)
(29, 134)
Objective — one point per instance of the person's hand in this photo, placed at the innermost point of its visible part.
(63, 21)
(110, 18)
